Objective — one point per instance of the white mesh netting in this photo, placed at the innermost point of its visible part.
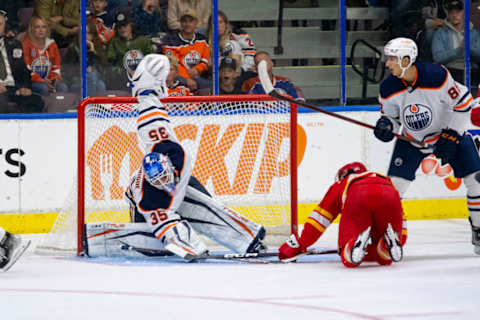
(241, 152)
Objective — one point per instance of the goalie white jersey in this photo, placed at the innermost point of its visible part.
(433, 102)
(156, 132)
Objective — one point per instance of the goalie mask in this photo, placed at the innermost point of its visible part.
(346, 170)
(160, 172)
(401, 48)
(150, 76)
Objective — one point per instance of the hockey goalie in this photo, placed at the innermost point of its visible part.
(168, 206)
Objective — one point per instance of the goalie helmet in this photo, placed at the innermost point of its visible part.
(159, 172)
(401, 48)
(346, 170)
(150, 76)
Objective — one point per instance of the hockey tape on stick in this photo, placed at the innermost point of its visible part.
(270, 90)
(226, 256)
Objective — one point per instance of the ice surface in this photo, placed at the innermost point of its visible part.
(438, 279)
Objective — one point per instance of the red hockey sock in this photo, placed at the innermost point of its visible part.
(309, 236)
(383, 256)
(346, 253)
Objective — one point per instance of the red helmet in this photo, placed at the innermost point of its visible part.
(346, 170)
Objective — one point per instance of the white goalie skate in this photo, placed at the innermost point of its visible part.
(11, 249)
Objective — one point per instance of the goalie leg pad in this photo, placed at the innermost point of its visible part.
(11, 249)
(220, 223)
(183, 241)
(105, 239)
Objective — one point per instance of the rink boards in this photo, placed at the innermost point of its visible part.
(38, 168)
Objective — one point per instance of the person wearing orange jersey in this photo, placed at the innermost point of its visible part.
(174, 82)
(371, 223)
(43, 58)
(192, 51)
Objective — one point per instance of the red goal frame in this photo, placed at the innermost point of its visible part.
(185, 99)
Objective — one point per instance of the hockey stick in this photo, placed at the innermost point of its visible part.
(253, 257)
(270, 90)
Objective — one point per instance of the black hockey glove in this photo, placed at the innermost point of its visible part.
(446, 146)
(384, 130)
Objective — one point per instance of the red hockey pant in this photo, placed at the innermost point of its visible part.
(374, 202)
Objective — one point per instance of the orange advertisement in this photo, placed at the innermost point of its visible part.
(258, 145)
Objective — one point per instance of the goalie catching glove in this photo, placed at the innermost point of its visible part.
(446, 146)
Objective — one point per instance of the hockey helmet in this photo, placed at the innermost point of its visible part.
(150, 76)
(401, 48)
(346, 170)
(159, 172)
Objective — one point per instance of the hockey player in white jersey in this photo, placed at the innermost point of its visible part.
(429, 105)
(12, 247)
(164, 194)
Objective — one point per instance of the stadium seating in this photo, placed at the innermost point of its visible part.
(317, 82)
(61, 102)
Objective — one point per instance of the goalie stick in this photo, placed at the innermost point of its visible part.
(270, 90)
(247, 257)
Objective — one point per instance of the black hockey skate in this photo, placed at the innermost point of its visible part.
(257, 246)
(475, 237)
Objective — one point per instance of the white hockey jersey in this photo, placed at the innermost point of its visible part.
(433, 102)
(155, 130)
(248, 48)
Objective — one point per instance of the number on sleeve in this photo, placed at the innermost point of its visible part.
(158, 216)
(453, 92)
(158, 134)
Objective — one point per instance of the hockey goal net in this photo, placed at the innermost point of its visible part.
(242, 151)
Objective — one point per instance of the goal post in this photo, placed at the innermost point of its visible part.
(244, 151)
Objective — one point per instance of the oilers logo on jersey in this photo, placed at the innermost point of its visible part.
(417, 117)
(191, 59)
(131, 59)
(42, 66)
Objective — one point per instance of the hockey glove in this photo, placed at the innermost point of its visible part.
(384, 130)
(475, 116)
(446, 146)
(290, 248)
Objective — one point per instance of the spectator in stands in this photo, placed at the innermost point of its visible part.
(406, 18)
(43, 58)
(175, 83)
(96, 63)
(192, 51)
(176, 8)
(63, 17)
(227, 45)
(103, 19)
(282, 84)
(126, 44)
(11, 8)
(228, 75)
(100, 11)
(232, 38)
(149, 19)
(434, 19)
(448, 45)
(15, 80)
